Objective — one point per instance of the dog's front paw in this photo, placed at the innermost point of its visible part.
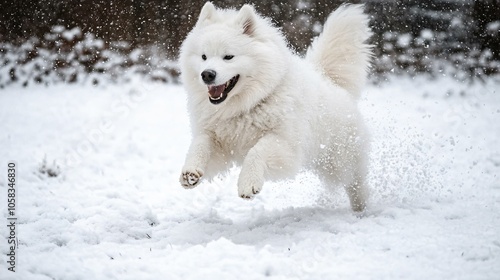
(249, 187)
(190, 177)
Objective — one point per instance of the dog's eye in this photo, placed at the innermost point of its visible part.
(204, 57)
(228, 57)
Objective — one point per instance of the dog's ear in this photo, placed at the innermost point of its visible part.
(247, 20)
(206, 13)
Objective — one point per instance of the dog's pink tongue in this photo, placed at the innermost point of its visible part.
(216, 91)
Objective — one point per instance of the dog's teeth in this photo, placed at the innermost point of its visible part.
(227, 83)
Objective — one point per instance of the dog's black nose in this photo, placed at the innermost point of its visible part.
(208, 76)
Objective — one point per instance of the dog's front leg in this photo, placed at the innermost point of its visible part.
(271, 155)
(196, 161)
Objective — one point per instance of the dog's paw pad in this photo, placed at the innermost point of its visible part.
(249, 193)
(246, 197)
(249, 185)
(190, 179)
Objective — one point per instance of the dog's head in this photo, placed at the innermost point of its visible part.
(232, 57)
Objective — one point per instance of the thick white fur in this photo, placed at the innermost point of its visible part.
(285, 113)
(348, 64)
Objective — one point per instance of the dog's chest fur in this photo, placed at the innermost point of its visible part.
(236, 135)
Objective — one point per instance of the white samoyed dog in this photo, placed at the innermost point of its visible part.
(254, 103)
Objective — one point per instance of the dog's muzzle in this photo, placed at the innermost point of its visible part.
(217, 94)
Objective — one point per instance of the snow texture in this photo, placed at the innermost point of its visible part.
(114, 208)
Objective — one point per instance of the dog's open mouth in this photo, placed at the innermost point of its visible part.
(217, 94)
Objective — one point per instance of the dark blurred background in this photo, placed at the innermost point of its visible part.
(459, 38)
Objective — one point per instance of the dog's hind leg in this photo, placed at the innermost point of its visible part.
(357, 194)
(351, 177)
(271, 156)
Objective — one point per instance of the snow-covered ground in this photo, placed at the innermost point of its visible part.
(115, 209)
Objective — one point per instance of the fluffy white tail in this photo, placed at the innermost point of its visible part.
(341, 51)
